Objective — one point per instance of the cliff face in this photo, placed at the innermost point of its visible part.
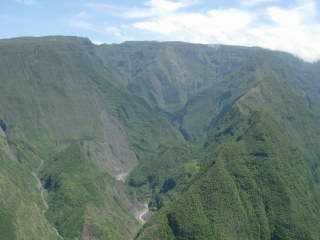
(221, 141)
(69, 120)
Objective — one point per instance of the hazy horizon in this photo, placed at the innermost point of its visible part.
(286, 25)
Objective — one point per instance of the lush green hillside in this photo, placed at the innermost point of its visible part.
(261, 177)
(22, 208)
(222, 142)
(64, 110)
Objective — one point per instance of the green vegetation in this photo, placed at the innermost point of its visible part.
(83, 199)
(258, 182)
(222, 142)
(22, 209)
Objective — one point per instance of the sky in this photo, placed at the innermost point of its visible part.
(287, 25)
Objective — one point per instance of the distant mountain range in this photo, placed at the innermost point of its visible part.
(220, 142)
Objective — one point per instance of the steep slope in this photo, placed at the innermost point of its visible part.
(261, 176)
(22, 209)
(57, 101)
(206, 81)
(220, 142)
(84, 200)
(176, 78)
(180, 78)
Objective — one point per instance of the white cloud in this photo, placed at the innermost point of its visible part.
(252, 3)
(297, 16)
(167, 5)
(292, 29)
(150, 8)
(199, 27)
(84, 21)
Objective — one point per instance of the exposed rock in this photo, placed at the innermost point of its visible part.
(3, 125)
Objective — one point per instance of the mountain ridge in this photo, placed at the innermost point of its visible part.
(185, 123)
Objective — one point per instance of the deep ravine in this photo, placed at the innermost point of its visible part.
(42, 193)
